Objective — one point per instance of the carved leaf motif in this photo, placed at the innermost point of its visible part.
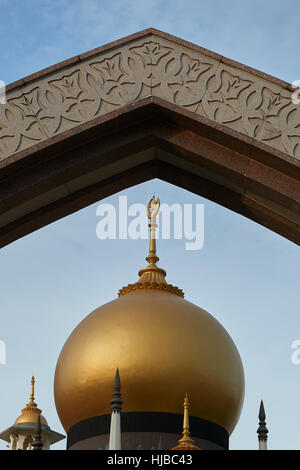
(68, 86)
(69, 93)
(110, 68)
(28, 103)
(272, 103)
(115, 81)
(30, 107)
(188, 83)
(234, 86)
(223, 102)
(266, 124)
(151, 52)
(191, 69)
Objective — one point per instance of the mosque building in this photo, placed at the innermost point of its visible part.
(155, 338)
(163, 349)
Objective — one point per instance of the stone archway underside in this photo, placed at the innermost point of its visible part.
(148, 106)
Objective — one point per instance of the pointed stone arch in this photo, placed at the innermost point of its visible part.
(148, 106)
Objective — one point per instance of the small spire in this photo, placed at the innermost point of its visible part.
(37, 440)
(186, 423)
(115, 420)
(31, 399)
(116, 401)
(262, 430)
(186, 442)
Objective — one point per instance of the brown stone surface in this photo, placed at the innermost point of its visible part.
(93, 162)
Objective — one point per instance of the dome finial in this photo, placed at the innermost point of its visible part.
(186, 424)
(31, 399)
(152, 273)
(152, 211)
(186, 442)
(152, 277)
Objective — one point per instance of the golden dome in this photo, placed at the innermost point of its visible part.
(162, 344)
(30, 417)
(31, 411)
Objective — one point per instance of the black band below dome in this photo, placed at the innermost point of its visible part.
(149, 422)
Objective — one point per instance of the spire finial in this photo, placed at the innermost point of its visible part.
(31, 399)
(152, 211)
(262, 430)
(152, 273)
(116, 401)
(37, 440)
(186, 442)
(152, 277)
(186, 424)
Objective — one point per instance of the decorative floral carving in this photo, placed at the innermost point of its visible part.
(30, 107)
(102, 83)
(151, 52)
(222, 103)
(115, 80)
(265, 124)
(188, 81)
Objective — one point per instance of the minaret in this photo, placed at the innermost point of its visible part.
(262, 429)
(186, 442)
(30, 429)
(37, 439)
(115, 423)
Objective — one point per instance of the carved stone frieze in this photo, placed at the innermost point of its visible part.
(231, 95)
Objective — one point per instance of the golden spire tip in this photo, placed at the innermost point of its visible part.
(152, 211)
(186, 442)
(31, 398)
(152, 276)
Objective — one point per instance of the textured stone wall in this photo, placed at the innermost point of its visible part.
(100, 82)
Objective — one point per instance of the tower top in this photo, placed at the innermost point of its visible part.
(262, 430)
(116, 401)
(31, 411)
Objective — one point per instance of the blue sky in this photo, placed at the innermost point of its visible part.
(245, 275)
